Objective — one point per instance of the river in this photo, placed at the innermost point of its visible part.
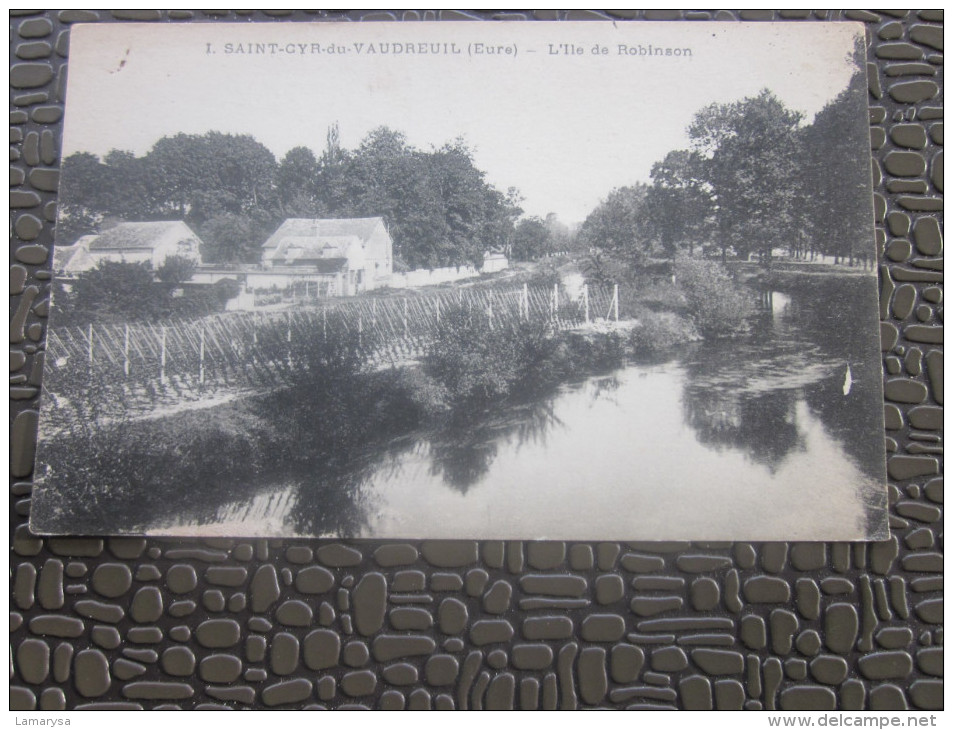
(776, 436)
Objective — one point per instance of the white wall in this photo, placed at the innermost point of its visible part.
(274, 279)
(492, 264)
(379, 253)
(425, 277)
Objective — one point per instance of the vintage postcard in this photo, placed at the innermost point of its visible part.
(575, 281)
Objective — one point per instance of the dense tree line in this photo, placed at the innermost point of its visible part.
(536, 237)
(232, 191)
(755, 179)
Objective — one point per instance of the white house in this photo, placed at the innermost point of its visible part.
(340, 256)
(151, 242)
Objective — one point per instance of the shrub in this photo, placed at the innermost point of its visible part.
(660, 331)
(405, 396)
(129, 473)
(546, 273)
(718, 306)
(605, 269)
(479, 362)
(176, 270)
(113, 291)
(594, 351)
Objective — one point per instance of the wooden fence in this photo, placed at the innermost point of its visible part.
(251, 348)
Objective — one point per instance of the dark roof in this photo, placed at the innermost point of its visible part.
(142, 236)
(303, 228)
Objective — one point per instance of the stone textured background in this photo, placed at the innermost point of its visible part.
(158, 623)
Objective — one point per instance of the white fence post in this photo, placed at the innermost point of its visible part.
(90, 341)
(585, 299)
(125, 351)
(289, 340)
(615, 300)
(202, 354)
(489, 310)
(162, 359)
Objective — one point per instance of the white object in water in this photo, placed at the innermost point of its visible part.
(848, 380)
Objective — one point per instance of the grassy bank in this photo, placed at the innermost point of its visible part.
(677, 300)
(332, 421)
(332, 415)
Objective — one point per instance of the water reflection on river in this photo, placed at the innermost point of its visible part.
(742, 440)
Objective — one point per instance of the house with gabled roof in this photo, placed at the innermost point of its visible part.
(150, 242)
(342, 256)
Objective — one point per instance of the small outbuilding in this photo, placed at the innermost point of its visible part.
(494, 261)
(149, 242)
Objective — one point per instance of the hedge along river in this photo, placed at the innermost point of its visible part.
(718, 441)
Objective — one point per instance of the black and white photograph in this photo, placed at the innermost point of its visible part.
(553, 280)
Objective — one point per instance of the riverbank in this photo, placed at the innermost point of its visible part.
(333, 412)
(492, 417)
(340, 416)
(753, 273)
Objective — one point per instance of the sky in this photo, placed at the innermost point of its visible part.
(545, 114)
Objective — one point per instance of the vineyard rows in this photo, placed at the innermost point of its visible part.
(253, 349)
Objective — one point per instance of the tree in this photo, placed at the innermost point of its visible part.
(835, 181)
(85, 199)
(437, 204)
(531, 240)
(678, 203)
(749, 153)
(199, 176)
(617, 225)
(296, 184)
(332, 185)
(114, 291)
(559, 232)
(479, 217)
(176, 270)
(500, 229)
(438, 207)
(378, 182)
(231, 238)
(186, 177)
(716, 304)
(131, 187)
(604, 270)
